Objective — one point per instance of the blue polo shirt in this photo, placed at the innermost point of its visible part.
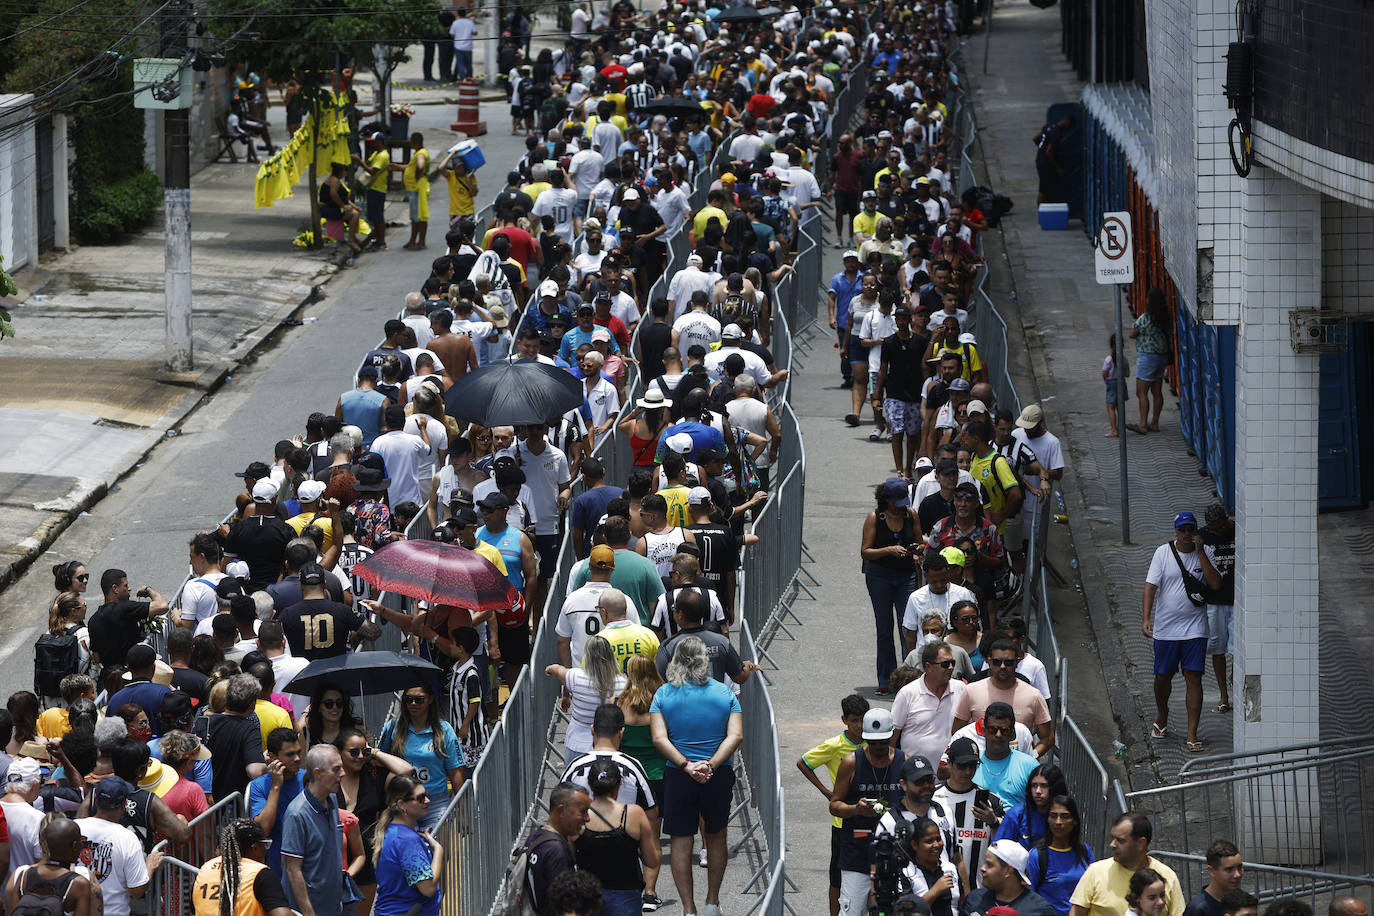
(258, 790)
(575, 337)
(844, 290)
(1006, 778)
(146, 694)
(313, 833)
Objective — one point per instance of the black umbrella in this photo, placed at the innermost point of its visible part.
(672, 107)
(520, 393)
(739, 14)
(364, 673)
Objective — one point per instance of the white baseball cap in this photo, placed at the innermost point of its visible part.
(309, 491)
(878, 725)
(680, 443)
(264, 491)
(630, 194)
(548, 288)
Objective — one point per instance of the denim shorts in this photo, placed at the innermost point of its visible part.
(1150, 367)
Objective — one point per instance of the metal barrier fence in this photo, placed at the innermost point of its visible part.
(1087, 781)
(759, 756)
(1273, 882)
(169, 886)
(1297, 805)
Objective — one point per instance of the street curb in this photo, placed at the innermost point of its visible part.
(205, 383)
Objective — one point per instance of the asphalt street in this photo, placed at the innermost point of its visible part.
(186, 483)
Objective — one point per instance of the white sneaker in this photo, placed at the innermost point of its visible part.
(701, 858)
(712, 909)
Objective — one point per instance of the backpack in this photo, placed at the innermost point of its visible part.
(518, 898)
(54, 657)
(992, 476)
(43, 898)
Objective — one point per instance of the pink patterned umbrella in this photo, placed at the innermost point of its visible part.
(439, 573)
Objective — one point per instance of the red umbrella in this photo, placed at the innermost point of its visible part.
(439, 573)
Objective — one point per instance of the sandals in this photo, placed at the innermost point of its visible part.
(875, 436)
(852, 419)
(1158, 731)
(1136, 428)
(1195, 747)
(1222, 707)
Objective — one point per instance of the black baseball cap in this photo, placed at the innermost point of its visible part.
(964, 750)
(257, 470)
(312, 574)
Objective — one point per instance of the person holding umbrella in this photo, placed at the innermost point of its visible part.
(428, 743)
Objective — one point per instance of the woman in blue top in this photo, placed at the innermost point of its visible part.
(1025, 823)
(431, 746)
(1062, 857)
(409, 862)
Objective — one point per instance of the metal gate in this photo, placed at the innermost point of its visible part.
(47, 222)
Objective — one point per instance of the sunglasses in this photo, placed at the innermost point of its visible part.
(85, 577)
(947, 663)
(416, 700)
(422, 797)
(332, 704)
(360, 752)
(1002, 662)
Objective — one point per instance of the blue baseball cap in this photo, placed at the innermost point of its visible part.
(1184, 518)
(898, 495)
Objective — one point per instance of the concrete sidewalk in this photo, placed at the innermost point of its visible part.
(83, 394)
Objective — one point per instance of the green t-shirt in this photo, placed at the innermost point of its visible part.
(634, 575)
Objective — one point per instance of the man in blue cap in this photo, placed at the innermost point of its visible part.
(1174, 615)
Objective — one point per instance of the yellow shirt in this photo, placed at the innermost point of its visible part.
(703, 215)
(829, 754)
(416, 178)
(460, 192)
(320, 520)
(866, 223)
(379, 161)
(629, 639)
(492, 554)
(677, 505)
(271, 717)
(1102, 889)
(621, 108)
(886, 171)
(971, 363)
(535, 188)
(53, 723)
(995, 491)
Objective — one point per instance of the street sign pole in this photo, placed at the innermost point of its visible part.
(1119, 357)
(1115, 261)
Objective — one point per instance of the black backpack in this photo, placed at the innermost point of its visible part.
(42, 897)
(54, 657)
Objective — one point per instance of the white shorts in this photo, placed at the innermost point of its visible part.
(1221, 630)
(855, 888)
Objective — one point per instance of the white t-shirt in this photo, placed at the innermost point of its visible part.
(938, 318)
(603, 401)
(285, 667)
(585, 169)
(745, 147)
(663, 619)
(580, 21)
(403, 454)
(424, 333)
(561, 204)
(24, 822)
(923, 600)
(805, 190)
(623, 307)
(516, 514)
(880, 326)
(438, 444)
(697, 327)
(579, 619)
(753, 364)
(545, 473)
(1175, 617)
(115, 859)
(462, 30)
(1048, 451)
(606, 138)
(198, 601)
(687, 281)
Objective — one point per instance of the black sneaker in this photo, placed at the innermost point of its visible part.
(652, 902)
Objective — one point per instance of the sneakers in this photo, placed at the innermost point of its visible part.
(711, 909)
(652, 902)
(701, 858)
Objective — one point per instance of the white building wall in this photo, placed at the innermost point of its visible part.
(1169, 26)
(1347, 257)
(1219, 187)
(18, 185)
(1277, 400)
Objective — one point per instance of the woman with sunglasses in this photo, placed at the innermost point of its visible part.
(329, 713)
(409, 859)
(67, 617)
(428, 743)
(966, 631)
(71, 576)
(362, 790)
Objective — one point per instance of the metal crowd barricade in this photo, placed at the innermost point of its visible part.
(758, 754)
(170, 886)
(1087, 782)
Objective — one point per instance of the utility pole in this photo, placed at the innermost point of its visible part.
(174, 42)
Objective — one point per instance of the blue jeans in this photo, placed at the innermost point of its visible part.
(621, 903)
(463, 62)
(888, 591)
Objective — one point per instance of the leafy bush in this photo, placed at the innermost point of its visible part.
(109, 211)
